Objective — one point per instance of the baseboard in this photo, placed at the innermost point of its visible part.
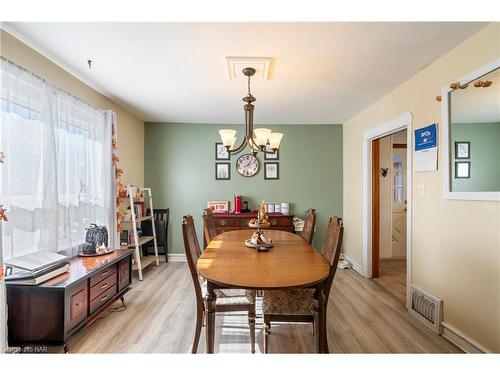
(461, 340)
(177, 258)
(355, 265)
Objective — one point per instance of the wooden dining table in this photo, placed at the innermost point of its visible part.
(292, 263)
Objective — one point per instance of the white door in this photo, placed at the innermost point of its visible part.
(398, 243)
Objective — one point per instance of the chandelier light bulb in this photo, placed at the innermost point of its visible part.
(275, 140)
(261, 136)
(228, 136)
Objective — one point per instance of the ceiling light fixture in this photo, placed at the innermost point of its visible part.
(256, 139)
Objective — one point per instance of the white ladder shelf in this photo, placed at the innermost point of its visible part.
(142, 262)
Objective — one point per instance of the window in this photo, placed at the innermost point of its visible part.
(397, 166)
(57, 177)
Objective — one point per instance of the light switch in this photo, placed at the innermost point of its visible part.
(421, 189)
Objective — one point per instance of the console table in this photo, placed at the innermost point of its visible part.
(226, 222)
(52, 312)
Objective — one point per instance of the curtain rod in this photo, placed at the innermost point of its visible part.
(52, 84)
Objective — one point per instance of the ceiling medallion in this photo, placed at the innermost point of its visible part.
(256, 139)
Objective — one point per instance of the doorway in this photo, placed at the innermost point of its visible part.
(399, 188)
(389, 210)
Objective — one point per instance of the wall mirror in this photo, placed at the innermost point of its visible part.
(471, 118)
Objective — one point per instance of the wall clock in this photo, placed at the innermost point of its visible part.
(247, 165)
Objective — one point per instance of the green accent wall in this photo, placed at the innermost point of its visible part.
(484, 159)
(180, 168)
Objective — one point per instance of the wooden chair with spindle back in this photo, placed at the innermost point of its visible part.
(227, 299)
(297, 305)
(309, 225)
(209, 226)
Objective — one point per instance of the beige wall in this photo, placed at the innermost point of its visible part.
(456, 244)
(130, 128)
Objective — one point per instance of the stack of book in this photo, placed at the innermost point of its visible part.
(35, 268)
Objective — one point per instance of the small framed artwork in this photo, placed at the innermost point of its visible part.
(221, 152)
(462, 169)
(222, 171)
(462, 150)
(271, 171)
(274, 156)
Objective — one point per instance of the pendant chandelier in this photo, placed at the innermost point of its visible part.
(256, 139)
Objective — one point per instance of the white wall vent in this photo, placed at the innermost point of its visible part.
(427, 308)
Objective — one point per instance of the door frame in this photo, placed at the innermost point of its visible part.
(404, 121)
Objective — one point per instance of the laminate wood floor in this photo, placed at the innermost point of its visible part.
(393, 277)
(362, 318)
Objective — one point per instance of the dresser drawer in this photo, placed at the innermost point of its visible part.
(227, 222)
(102, 299)
(102, 285)
(101, 275)
(244, 222)
(280, 221)
(77, 306)
(123, 273)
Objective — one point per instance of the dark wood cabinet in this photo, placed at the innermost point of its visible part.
(52, 312)
(226, 222)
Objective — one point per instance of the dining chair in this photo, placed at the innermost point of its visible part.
(161, 216)
(296, 305)
(228, 300)
(209, 226)
(309, 225)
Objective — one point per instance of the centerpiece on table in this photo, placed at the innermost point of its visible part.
(258, 240)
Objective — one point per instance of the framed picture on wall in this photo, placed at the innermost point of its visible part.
(221, 152)
(222, 171)
(274, 156)
(462, 150)
(462, 169)
(271, 171)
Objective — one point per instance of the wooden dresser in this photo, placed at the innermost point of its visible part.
(227, 221)
(50, 313)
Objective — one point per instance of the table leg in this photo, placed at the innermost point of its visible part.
(320, 322)
(210, 300)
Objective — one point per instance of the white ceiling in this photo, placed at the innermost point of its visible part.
(176, 72)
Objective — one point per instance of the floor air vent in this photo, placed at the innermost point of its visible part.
(427, 308)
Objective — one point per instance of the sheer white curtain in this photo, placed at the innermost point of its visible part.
(58, 176)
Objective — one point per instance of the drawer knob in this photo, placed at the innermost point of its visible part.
(104, 273)
(105, 297)
(104, 285)
(78, 304)
(274, 221)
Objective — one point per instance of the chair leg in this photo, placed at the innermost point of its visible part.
(251, 323)
(267, 332)
(197, 331)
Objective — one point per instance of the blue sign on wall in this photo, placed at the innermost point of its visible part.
(426, 137)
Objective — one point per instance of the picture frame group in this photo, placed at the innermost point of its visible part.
(223, 164)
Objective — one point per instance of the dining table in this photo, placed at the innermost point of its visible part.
(292, 263)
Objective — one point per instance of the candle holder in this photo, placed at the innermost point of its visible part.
(258, 240)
